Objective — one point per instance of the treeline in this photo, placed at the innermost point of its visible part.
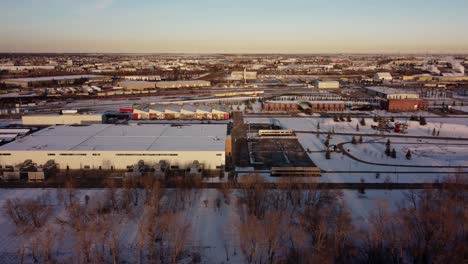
(315, 226)
(287, 225)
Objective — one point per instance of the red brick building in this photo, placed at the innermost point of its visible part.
(287, 106)
(405, 105)
(325, 106)
(294, 106)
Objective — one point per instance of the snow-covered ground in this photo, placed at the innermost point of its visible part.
(422, 154)
(434, 153)
(427, 153)
(447, 127)
(214, 228)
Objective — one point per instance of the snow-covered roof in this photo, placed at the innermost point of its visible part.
(145, 137)
(204, 109)
(388, 90)
(383, 75)
(326, 102)
(188, 108)
(172, 108)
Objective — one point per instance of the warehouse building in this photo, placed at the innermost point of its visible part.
(328, 106)
(243, 75)
(274, 106)
(58, 80)
(137, 85)
(143, 78)
(327, 84)
(405, 105)
(306, 106)
(146, 85)
(391, 93)
(110, 147)
(182, 84)
(26, 68)
(383, 76)
(67, 119)
(175, 112)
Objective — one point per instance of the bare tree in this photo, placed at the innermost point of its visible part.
(28, 214)
(177, 231)
(253, 196)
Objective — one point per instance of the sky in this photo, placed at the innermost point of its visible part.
(234, 26)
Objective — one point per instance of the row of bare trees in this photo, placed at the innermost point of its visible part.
(314, 226)
(95, 227)
(429, 226)
(292, 225)
(285, 225)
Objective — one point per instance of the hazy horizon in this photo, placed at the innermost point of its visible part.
(240, 27)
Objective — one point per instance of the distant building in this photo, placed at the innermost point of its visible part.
(405, 105)
(243, 75)
(137, 85)
(295, 106)
(143, 78)
(182, 84)
(175, 112)
(60, 80)
(383, 76)
(276, 106)
(327, 84)
(328, 106)
(26, 68)
(391, 93)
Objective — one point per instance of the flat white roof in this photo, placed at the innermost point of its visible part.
(137, 82)
(388, 90)
(145, 137)
(184, 82)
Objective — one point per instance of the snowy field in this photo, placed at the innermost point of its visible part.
(427, 151)
(368, 160)
(213, 226)
(447, 127)
(422, 154)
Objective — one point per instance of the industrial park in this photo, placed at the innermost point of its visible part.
(374, 127)
(259, 132)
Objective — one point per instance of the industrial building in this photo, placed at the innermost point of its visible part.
(295, 106)
(325, 106)
(288, 106)
(137, 85)
(383, 76)
(143, 78)
(182, 84)
(65, 119)
(405, 105)
(391, 93)
(26, 67)
(58, 80)
(146, 85)
(173, 112)
(110, 147)
(243, 75)
(327, 84)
